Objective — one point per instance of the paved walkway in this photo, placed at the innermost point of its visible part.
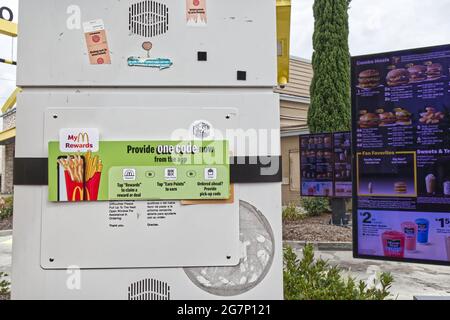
(5, 254)
(410, 279)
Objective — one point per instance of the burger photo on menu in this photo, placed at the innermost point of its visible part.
(368, 120)
(386, 118)
(398, 77)
(403, 117)
(418, 73)
(369, 79)
(434, 71)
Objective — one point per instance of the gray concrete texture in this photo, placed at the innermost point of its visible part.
(5, 254)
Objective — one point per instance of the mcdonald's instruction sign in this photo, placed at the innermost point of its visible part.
(79, 140)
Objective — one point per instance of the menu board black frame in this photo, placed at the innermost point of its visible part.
(331, 155)
(428, 115)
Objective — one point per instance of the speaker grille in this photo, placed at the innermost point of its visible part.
(149, 289)
(149, 18)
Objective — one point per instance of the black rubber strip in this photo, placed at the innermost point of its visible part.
(256, 169)
(30, 171)
(34, 171)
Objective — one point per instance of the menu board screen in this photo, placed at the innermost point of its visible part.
(342, 165)
(401, 134)
(325, 161)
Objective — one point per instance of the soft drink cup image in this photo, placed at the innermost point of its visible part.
(422, 230)
(410, 231)
(393, 244)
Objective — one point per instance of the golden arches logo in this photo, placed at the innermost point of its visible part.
(88, 196)
(82, 138)
(79, 191)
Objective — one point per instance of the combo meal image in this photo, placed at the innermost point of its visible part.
(428, 71)
(397, 75)
(369, 79)
(381, 118)
(432, 116)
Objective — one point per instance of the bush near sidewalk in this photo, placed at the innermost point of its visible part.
(6, 208)
(292, 213)
(310, 279)
(315, 206)
(4, 287)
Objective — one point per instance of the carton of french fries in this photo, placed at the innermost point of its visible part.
(82, 177)
(93, 174)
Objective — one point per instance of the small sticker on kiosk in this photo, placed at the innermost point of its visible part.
(97, 42)
(196, 13)
(147, 61)
(79, 139)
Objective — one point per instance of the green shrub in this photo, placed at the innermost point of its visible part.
(315, 206)
(310, 279)
(292, 213)
(6, 208)
(4, 287)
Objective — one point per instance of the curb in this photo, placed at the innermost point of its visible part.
(321, 246)
(5, 233)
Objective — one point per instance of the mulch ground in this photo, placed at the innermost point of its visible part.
(6, 224)
(316, 229)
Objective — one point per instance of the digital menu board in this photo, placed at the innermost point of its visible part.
(325, 165)
(342, 152)
(401, 134)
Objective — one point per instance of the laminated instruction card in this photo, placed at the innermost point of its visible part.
(82, 168)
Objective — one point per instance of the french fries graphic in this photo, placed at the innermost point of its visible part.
(93, 165)
(82, 177)
(73, 166)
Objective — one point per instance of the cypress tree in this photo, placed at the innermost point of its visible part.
(330, 109)
(330, 89)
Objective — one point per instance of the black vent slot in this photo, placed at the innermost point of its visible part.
(149, 18)
(149, 289)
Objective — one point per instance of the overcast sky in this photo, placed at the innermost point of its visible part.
(375, 26)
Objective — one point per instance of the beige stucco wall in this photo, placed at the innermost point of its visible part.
(300, 77)
(8, 152)
(8, 174)
(9, 121)
(294, 107)
(294, 116)
(288, 145)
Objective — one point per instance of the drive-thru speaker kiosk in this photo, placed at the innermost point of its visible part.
(131, 165)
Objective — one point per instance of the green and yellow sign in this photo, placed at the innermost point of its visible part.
(140, 170)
